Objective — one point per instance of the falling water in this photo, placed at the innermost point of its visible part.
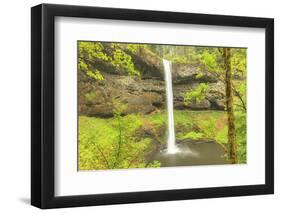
(170, 108)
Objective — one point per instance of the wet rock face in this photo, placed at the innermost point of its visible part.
(134, 94)
(147, 94)
(188, 73)
(139, 96)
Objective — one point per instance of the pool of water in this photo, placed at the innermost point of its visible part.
(192, 153)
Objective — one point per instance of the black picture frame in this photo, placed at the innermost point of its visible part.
(43, 102)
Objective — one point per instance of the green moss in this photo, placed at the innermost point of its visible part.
(192, 136)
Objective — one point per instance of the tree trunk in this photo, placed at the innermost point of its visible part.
(229, 107)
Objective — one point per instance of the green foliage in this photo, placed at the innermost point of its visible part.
(101, 146)
(158, 120)
(199, 75)
(192, 135)
(241, 135)
(118, 107)
(95, 74)
(196, 95)
(211, 125)
(210, 60)
(201, 125)
(154, 164)
(90, 96)
(208, 127)
(122, 60)
(114, 143)
(133, 48)
(89, 53)
(99, 139)
(214, 126)
(238, 61)
(177, 54)
(242, 88)
(221, 136)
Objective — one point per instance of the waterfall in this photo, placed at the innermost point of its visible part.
(171, 145)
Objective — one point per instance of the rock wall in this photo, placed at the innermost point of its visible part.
(146, 94)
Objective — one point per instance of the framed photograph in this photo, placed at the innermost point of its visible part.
(139, 106)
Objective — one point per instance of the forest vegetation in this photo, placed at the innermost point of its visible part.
(122, 108)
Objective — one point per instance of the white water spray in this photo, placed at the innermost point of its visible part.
(171, 144)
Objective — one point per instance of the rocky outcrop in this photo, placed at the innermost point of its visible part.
(148, 63)
(188, 73)
(146, 94)
(136, 95)
(139, 96)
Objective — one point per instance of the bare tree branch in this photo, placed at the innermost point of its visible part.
(240, 98)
